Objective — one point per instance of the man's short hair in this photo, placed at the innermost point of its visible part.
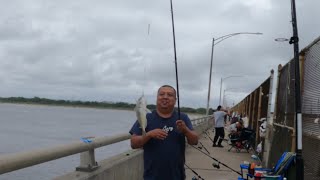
(219, 107)
(175, 92)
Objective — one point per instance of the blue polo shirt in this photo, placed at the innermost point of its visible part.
(164, 159)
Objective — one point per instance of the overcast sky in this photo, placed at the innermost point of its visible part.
(100, 50)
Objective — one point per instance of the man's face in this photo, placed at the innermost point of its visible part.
(166, 98)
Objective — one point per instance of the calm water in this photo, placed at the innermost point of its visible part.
(28, 127)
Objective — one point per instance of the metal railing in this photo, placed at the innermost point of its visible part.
(86, 147)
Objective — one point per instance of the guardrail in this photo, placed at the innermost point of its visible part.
(86, 147)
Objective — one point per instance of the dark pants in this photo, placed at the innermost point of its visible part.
(219, 133)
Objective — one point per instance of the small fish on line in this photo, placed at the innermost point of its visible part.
(141, 113)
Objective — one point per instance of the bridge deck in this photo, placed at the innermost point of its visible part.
(203, 164)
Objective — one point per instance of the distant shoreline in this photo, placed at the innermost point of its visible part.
(89, 104)
(191, 115)
(64, 105)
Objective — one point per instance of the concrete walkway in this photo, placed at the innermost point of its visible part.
(202, 164)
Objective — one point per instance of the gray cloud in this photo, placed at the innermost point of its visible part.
(102, 51)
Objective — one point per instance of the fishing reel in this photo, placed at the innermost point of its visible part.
(216, 165)
(194, 178)
(201, 146)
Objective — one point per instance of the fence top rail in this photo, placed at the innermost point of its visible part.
(12, 162)
(284, 126)
(310, 45)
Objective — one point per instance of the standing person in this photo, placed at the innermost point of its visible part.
(230, 116)
(164, 142)
(219, 117)
(234, 118)
(245, 120)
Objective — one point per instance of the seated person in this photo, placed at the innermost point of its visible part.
(247, 135)
(235, 130)
(240, 119)
(234, 119)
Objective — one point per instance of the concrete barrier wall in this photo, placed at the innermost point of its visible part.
(125, 166)
(128, 165)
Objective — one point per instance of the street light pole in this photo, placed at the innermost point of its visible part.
(225, 99)
(298, 125)
(221, 81)
(224, 95)
(215, 42)
(209, 89)
(220, 91)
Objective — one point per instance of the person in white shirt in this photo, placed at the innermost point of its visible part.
(219, 117)
(233, 127)
(236, 128)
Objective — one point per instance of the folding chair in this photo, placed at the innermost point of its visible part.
(244, 141)
(277, 173)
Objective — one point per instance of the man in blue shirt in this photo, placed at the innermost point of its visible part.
(164, 142)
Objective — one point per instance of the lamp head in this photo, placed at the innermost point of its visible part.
(281, 39)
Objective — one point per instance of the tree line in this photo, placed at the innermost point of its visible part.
(95, 104)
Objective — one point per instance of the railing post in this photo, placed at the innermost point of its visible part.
(87, 161)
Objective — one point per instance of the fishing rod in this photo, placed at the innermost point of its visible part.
(202, 146)
(206, 133)
(194, 172)
(177, 79)
(175, 58)
(217, 163)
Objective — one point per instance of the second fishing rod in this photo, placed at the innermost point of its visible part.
(217, 162)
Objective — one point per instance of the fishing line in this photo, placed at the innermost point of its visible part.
(145, 63)
(219, 162)
(175, 58)
(194, 172)
(144, 78)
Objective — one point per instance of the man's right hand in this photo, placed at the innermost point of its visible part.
(157, 134)
(138, 141)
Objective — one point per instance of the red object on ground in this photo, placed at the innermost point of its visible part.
(257, 175)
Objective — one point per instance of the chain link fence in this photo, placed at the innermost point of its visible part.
(281, 127)
(311, 110)
(283, 136)
(256, 106)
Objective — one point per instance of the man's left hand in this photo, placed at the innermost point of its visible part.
(181, 126)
